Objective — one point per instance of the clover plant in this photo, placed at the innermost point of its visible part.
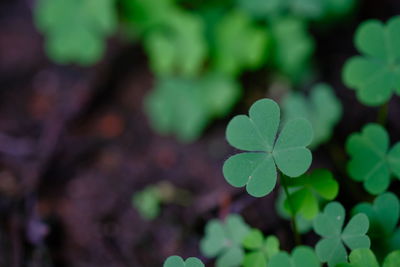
(321, 108)
(223, 239)
(303, 225)
(372, 162)
(260, 249)
(302, 256)
(375, 75)
(364, 257)
(293, 47)
(258, 134)
(176, 261)
(383, 215)
(184, 106)
(75, 30)
(329, 224)
(239, 43)
(306, 191)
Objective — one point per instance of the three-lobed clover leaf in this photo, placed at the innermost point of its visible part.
(239, 44)
(176, 261)
(364, 257)
(302, 256)
(329, 224)
(75, 30)
(306, 191)
(371, 160)
(376, 74)
(322, 109)
(257, 133)
(183, 107)
(383, 216)
(261, 250)
(224, 240)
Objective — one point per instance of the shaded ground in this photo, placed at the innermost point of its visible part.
(75, 145)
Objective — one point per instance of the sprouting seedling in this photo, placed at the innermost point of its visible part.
(257, 133)
(302, 256)
(376, 74)
(383, 216)
(329, 224)
(364, 257)
(239, 43)
(307, 189)
(261, 249)
(224, 240)
(371, 160)
(75, 29)
(322, 109)
(176, 261)
(183, 107)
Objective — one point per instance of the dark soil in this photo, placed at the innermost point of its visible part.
(75, 145)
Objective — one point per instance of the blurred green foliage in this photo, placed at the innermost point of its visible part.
(75, 30)
(321, 108)
(186, 41)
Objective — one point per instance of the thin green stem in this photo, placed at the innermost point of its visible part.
(296, 234)
(383, 114)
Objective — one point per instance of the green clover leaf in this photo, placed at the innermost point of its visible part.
(371, 160)
(329, 224)
(224, 240)
(306, 9)
(302, 256)
(303, 225)
(293, 47)
(257, 133)
(307, 189)
(261, 250)
(239, 44)
(383, 216)
(176, 261)
(364, 257)
(75, 30)
(322, 109)
(183, 107)
(147, 202)
(376, 74)
(179, 47)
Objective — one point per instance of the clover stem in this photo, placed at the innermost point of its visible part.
(383, 114)
(296, 234)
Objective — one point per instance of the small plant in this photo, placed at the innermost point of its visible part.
(301, 256)
(260, 249)
(383, 215)
(371, 160)
(224, 240)
(307, 190)
(321, 108)
(329, 225)
(364, 257)
(75, 30)
(257, 169)
(380, 62)
(176, 261)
